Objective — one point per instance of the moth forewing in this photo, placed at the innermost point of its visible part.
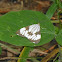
(18, 33)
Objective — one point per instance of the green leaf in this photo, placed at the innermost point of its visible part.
(51, 10)
(0, 50)
(13, 21)
(56, 30)
(59, 38)
(60, 5)
(56, 61)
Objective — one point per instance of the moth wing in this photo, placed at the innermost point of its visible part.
(36, 38)
(21, 32)
(31, 32)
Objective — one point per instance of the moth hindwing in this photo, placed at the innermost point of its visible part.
(31, 32)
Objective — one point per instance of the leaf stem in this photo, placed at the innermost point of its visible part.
(24, 54)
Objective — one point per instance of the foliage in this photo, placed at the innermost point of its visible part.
(13, 21)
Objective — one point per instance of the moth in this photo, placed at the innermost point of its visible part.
(31, 32)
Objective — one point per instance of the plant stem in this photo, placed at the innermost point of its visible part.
(47, 58)
(24, 54)
(60, 51)
(56, 57)
(57, 21)
(58, 2)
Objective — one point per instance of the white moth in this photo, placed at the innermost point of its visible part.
(31, 32)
